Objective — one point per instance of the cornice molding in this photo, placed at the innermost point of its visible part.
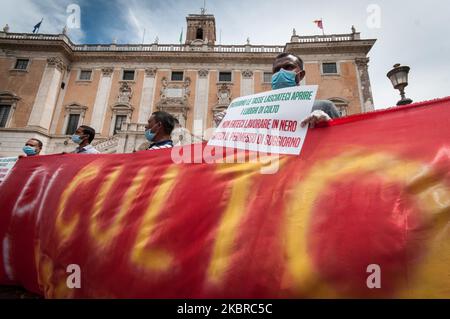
(60, 46)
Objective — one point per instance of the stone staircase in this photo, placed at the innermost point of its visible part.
(107, 146)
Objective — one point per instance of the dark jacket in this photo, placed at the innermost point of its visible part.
(328, 107)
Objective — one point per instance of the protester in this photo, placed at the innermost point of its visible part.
(288, 72)
(84, 136)
(159, 129)
(33, 147)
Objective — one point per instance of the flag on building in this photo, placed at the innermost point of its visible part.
(37, 26)
(181, 37)
(319, 23)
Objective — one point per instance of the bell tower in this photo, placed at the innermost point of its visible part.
(201, 28)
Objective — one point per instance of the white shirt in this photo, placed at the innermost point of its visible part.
(88, 149)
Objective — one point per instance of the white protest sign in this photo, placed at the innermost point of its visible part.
(6, 165)
(267, 122)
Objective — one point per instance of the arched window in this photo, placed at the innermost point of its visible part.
(199, 34)
(341, 105)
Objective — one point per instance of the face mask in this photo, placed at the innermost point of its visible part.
(284, 79)
(30, 151)
(149, 135)
(76, 139)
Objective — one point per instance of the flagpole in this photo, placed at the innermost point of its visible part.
(323, 29)
(40, 24)
(143, 38)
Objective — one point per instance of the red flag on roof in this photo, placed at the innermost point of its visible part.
(319, 23)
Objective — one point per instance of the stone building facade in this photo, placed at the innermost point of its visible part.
(49, 86)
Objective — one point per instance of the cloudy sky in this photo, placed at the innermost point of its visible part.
(415, 33)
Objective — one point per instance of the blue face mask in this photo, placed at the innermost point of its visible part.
(149, 135)
(30, 151)
(76, 139)
(284, 79)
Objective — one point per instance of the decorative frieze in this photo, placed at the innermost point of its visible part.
(125, 93)
(247, 74)
(203, 73)
(150, 72)
(174, 98)
(175, 89)
(55, 62)
(107, 71)
(224, 94)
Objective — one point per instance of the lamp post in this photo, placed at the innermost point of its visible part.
(399, 78)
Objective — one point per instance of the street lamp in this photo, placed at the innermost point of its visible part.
(399, 78)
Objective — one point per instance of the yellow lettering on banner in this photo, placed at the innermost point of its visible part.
(239, 190)
(104, 235)
(302, 273)
(432, 278)
(151, 258)
(50, 281)
(303, 277)
(64, 227)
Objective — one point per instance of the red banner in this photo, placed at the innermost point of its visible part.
(363, 212)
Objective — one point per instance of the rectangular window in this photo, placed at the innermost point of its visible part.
(21, 64)
(72, 124)
(128, 75)
(329, 68)
(268, 77)
(177, 76)
(120, 119)
(224, 76)
(85, 75)
(4, 114)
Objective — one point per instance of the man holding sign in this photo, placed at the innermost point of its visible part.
(288, 72)
(267, 122)
(274, 122)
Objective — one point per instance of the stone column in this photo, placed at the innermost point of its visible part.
(148, 91)
(201, 103)
(59, 104)
(247, 83)
(364, 81)
(101, 100)
(45, 103)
